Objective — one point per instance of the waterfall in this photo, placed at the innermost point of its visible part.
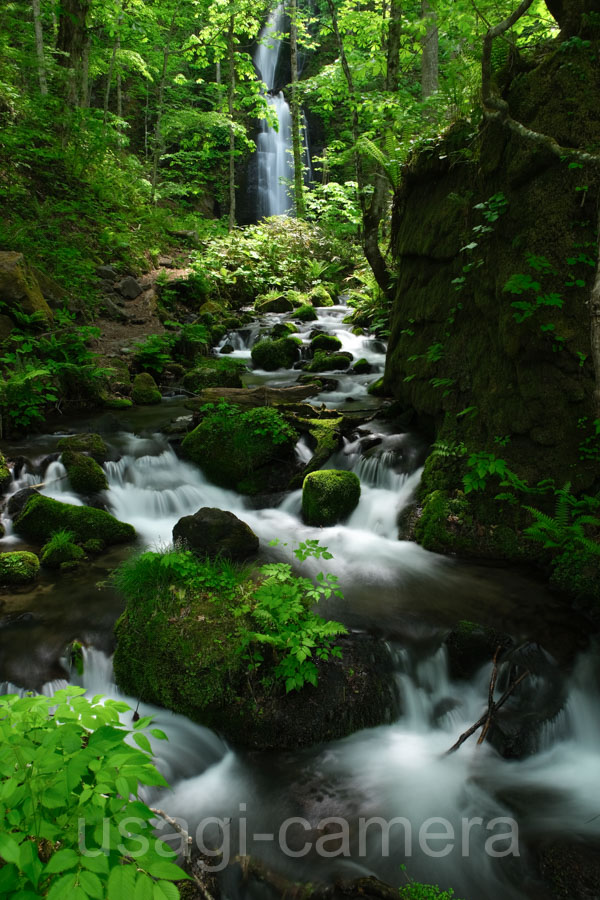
(274, 147)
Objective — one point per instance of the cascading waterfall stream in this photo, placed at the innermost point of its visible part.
(396, 770)
(274, 147)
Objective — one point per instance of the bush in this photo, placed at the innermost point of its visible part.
(61, 549)
(65, 763)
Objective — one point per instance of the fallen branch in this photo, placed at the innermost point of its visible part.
(487, 718)
(187, 849)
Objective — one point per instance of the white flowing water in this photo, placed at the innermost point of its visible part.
(493, 813)
(274, 145)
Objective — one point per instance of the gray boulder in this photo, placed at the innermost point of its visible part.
(216, 532)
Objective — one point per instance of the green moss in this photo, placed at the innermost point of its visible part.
(18, 567)
(306, 314)
(85, 474)
(145, 391)
(328, 362)
(362, 367)
(377, 389)
(93, 546)
(109, 401)
(5, 474)
(320, 296)
(272, 355)
(328, 342)
(92, 444)
(328, 496)
(213, 372)
(282, 330)
(278, 303)
(42, 516)
(244, 451)
(54, 555)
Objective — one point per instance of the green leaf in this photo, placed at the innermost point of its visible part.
(143, 742)
(121, 882)
(166, 869)
(144, 887)
(91, 884)
(9, 849)
(62, 861)
(164, 890)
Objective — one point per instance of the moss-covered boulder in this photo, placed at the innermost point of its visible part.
(283, 330)
(184, 655)
(271, 355)
(54, 555)
(41, 517)
(216, 532)
(320, 296)
(19, 287)
(18, 567)
(250, 451)
(377, 388)
(85, 474)
(112, 401)
(145, 391)
(329, 362)
(329, 495)
(213, 372)
(5, 474)
(275, 304)
(362, 367)
(92, 444)
(328, 342)
(306, 313)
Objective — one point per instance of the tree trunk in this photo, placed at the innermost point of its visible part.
(429, 58)
(295, 111)
(39, 47)
(70, 42)
(595, 329)
(230, 105)
(109, 78)
(119, 86)
(84, 100)
(161, 103)
(392, 76)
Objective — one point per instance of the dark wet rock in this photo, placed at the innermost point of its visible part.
(470, 645)
(571, 870)
(216, 532)
(17, 502)
(107, 273)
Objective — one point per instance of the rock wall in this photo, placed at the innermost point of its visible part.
(459, 362)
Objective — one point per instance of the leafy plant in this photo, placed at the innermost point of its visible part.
(154, 354)
(566, 529)
(73, 824)
(281, 607)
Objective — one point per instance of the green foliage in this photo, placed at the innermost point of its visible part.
(18, 567)
(154, 353)
(61, 548)
(570, 526)
(278, 254)
(283, 622)
(66, 770)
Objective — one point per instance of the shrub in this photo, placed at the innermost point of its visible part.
(65, 767)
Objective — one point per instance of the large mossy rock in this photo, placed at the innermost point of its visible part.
(85, 474)
(328, 342)
(329, 495)
(271, 355)
(145, 391)
(329, 362)
(91, 444)
(279, 304)
(211, 372)
(19, 287)
(320, 296)
(41, 516)
(186, 661)
(216, 532)
(306, 313)
(251, 451)
(18, 567)
(470, 367)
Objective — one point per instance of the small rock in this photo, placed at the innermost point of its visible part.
(227, 348)
(129, 288)
(166, 262)
(107, 273)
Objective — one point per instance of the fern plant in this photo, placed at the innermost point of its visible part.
(566, 529)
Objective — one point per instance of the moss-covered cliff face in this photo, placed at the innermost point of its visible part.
(458, 358)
